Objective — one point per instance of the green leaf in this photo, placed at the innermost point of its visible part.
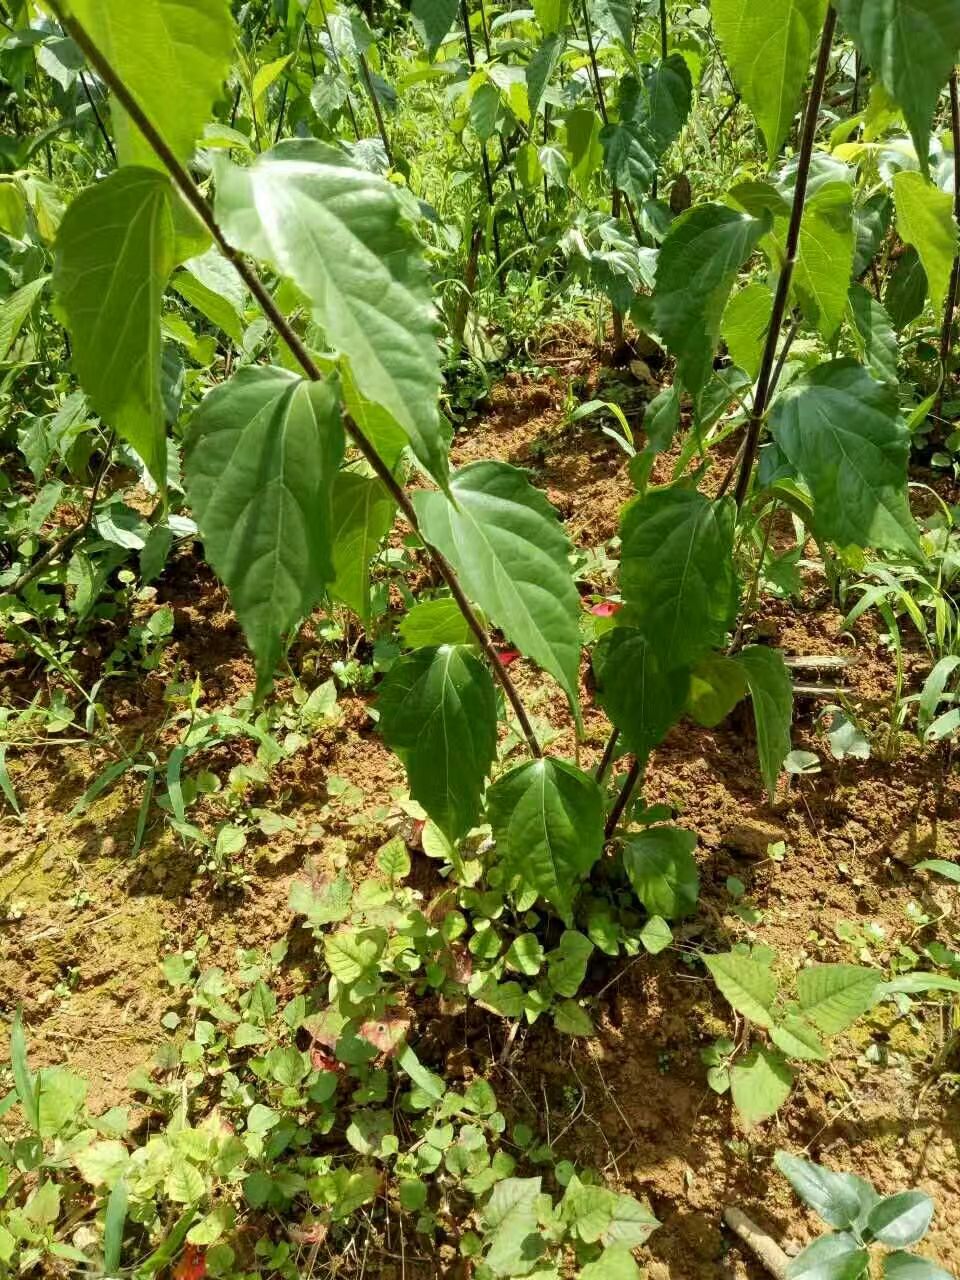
(510, 1221)
(184, 1182)
(363, 513)
(911, 47)
(832, 996)
(768, 47)
(349, 954)
(438, 711)
(698, 264)
(567, 964)
(432, 20)
(797, 1039)
(875, 334)
(525, 955)
(503, 538)
(746, 983)
(901, 1220)
(663, 871)
(908, 1266)
(552, 15)
(760, 1085)
(615, 19)
(113, 1224)
(925, 220)
(435, 622)
(211, 285)
(14, 311)
(656, 935)
(834, 1196)
(540, 70)
(262, 454)
(339, 233)
(745, 324)
(836, 1257)
(906, 291)
(23, 1079)
(103, 1163)
(717, 684)
(115, 251)
(843, 433)
(571, 1019)
(640, 698)
(582, 127)
(394, 859)
(615, 1263)
(677, 573)
(61, 1099)
(825, 257)
(771, 692)
(174, 59)
(547, 819)
(941, 867)
(651, 111)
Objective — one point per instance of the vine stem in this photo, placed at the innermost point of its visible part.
(623, 799)
(953, 293)
(194, 197)
(765, 386)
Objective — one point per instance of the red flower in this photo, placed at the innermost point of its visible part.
(507, 656)
(193, 1264)
(605, 609)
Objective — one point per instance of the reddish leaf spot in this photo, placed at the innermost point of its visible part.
(193, 1264)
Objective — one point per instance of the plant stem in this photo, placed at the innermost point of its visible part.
(96, 114)
(484, 158)
(608, 753)
(764, 389)
(623, 799)
(335, 58)
(251, 279)
(953, 293)
(664, 34)
(375, 103)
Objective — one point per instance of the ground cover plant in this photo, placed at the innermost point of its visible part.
(479, 592)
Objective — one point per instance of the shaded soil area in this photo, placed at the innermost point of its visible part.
(825, 873)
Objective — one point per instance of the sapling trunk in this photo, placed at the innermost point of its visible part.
(953, 293)
(484, 158)
(195, 198)
(765, 383)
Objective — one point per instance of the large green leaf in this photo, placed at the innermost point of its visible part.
(875, 334)
(503, 538)
(843, 433)
(547, 819)
(339, 233)
(771, 692)
(748, 984)
(363, 512)
(910, 1266)
(211, 284)
(911, 46)
(432, 20)
(925, 220)
(651, 111)
(901, 1219)
(660, 865)
(833, 996)
(115, 251)
(831, 1257)
(825, 257)
(641, 697)
(14, 311)
(173, 57)
(262, 454)
(745, 324)
(906, 291)
(540, 71)
(834, 1196)
(698, 264)
(760, 1084)
(438, 711)
(677, 573)
(768, 47)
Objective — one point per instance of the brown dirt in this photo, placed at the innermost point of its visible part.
(634, 1102)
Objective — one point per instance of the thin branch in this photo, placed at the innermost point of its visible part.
(609, 751)
(484, 158)
(953, 293)
(375, 103)
(623, 799)
(100, 125)
(251, 279)
(763, 393)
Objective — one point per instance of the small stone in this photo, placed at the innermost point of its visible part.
(752, 839)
